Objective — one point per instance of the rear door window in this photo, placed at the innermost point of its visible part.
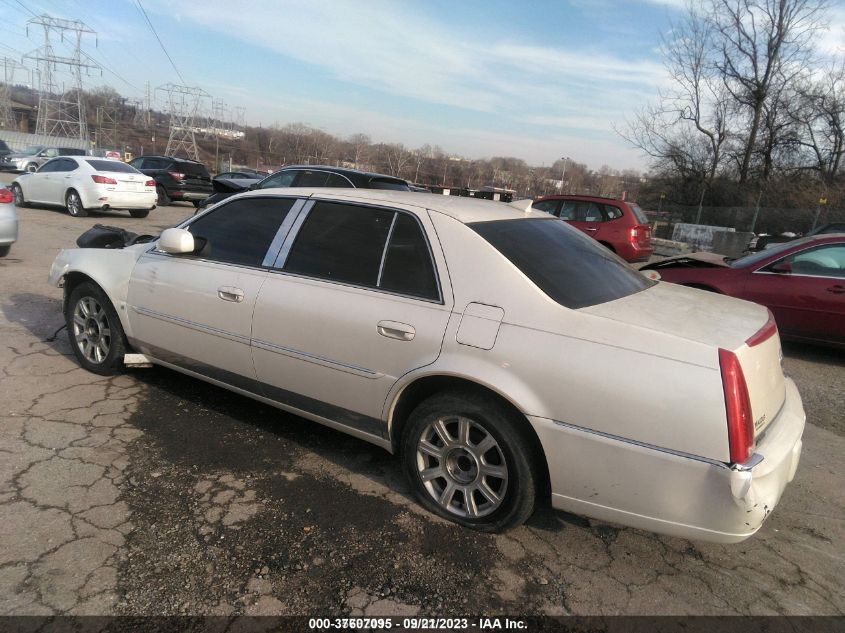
(612, 213)
(408, 268)
(336, 180)
(589, 212)
(341, 242)
(567, 210)
(311, 178)
(279, 179)
(240, 231)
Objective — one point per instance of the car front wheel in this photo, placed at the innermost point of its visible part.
(31, 168)
(94, 330)
(468, 460)
(74, 204)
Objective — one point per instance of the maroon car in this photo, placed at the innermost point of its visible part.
(618, 224)
(802, 282)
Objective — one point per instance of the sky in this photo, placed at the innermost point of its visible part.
(538, 80)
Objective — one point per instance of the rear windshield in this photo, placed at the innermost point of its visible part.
(642, 218)
(112, 165)
(192, 169)
(573, 269)
(389, 183)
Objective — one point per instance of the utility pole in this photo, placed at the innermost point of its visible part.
(183, 106)
(565, 160)
(61, 113)
(106, 134)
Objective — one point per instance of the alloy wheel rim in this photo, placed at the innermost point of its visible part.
(462, 467)
(18, 194)
(73, 204)
(91, 330)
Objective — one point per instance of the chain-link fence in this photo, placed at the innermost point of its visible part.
(772, 220)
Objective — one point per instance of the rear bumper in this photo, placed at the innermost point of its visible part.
(8, 231)
(646, 487)
(633, 252)
(181, 194)
(93, 199)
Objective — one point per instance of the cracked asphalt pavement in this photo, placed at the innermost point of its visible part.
(152, 493)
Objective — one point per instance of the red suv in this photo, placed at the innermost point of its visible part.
(621, 226)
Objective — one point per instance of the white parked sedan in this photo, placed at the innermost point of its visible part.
(502, 354)
(85, 183)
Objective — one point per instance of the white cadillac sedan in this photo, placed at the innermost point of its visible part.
(502, 354)
(86, 183)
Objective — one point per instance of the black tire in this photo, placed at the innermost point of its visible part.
(608, 246)
(513, 450)
(4, 250)
(17, 192)
(139, 213)
(31, 168)
(93, 327)
(163, 198)
(196, 203)
(73, 204)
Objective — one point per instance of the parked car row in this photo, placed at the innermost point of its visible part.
(33, 157)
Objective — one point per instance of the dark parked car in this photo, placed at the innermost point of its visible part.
(802, 282)
(621, 226)
(176, 178)
(312, 176)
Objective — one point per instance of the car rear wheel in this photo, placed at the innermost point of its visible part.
(163, 198)
(139, 213)
(94, 330)
(74, 204)
(196, 203)
(468, 461)
(17, 192)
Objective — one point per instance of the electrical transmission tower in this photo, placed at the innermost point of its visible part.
(61, 113)
(183, 106)
(142, 110)
(106, 134)
(7, 117)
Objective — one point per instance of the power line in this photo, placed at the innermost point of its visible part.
(152, 28)
(27, 9)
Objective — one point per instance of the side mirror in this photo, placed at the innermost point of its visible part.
(252, 187)
(782, 268)
(176, 241)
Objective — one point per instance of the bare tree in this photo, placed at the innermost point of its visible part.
(360, 147)
(759, 43)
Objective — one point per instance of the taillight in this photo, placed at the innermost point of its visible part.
(104, 180)
(765, 332)
(635, 232)
(6, 195)
(150, 183)
(176, 175)
(737, 407)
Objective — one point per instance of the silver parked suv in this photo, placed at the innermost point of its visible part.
(33, 157)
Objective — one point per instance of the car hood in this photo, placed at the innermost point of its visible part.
(692, 260)
(16, 156)
(233, 185)
(696, 315)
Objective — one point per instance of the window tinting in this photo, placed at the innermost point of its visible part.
(642, 218)
(336, 180)
(571, 268)
(388, 183)
(313, 179)
(408, 268)
(567, 211)
(240, 232)
(825, 261)
(612, 212)
(589, 212)
(280, 179)
(549, 206)
(341, 242)
(113, 166)
(50, 166)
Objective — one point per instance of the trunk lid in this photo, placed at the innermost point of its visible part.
(737, 326)
(130, 182)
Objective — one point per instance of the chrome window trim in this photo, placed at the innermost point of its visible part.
(281, 260)
(290, 238)
(322, 171)
(282, 232)
(385, 249)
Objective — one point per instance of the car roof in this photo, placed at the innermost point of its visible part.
(352, 174)
(463, 209)
(176, 158)
(586, 197)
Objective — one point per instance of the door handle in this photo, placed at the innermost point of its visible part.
(838, 289)
(590, 229)
(230, 293)
(399, 331)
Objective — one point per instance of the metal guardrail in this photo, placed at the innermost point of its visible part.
(21, 140)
